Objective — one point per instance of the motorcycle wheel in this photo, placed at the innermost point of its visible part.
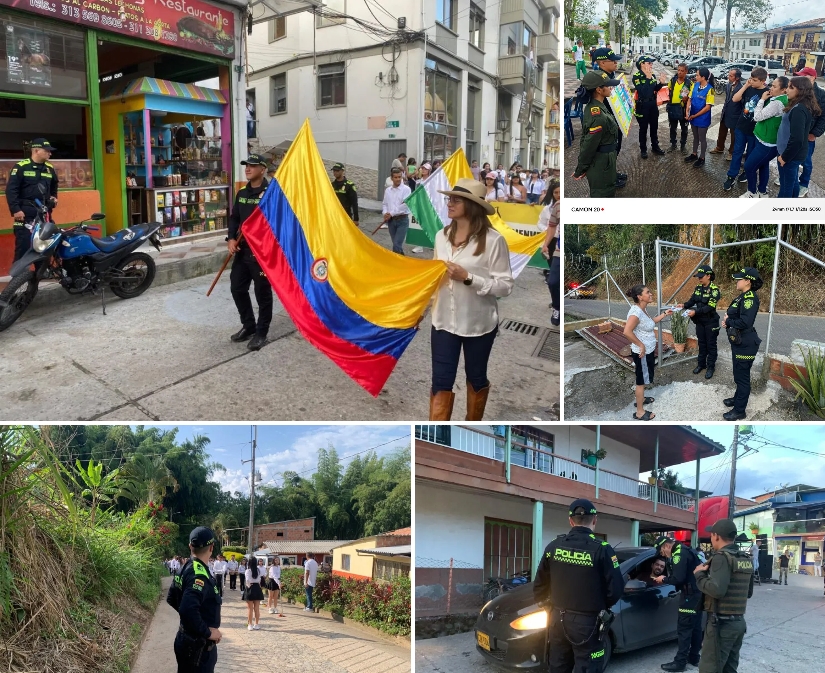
(133, 275)
(17, 296)
(491, 593)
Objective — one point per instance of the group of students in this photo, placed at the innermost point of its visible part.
(514, 185)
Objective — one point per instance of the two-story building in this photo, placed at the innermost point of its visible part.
(804, 39)
(424, 79)
(746, 44)
(490, 498)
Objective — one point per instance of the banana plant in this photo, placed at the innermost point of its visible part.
(100, 488)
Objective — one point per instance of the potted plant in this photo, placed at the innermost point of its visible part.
(592, 457)
(678, 328)
(754, 527)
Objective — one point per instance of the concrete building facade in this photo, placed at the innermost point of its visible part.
(381, 557)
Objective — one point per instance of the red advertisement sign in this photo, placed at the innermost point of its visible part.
(186, 24)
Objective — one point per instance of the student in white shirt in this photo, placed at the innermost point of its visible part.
(493, 191)
(219, 572)
(465, 312)
(396, 213)
(274, 586)
(232, 569)
(242, 575)
(535, 187)
(310, 576)
(253, 594)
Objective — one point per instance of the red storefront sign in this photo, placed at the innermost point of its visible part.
(186, 24)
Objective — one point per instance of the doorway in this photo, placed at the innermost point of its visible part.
(388, 151)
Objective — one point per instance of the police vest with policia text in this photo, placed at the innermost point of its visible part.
(740, 586)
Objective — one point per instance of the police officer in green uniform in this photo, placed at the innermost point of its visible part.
(200, 608)
(24, 187)
(744, 341)
(645, 107)
(702, 305)
(727, 583)
(245, 268)
(608, 61)
(600, 134)
(578, 579)
(682, 562)
(345, 191)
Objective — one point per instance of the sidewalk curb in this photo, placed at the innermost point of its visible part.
(163, 590)
(402, 641)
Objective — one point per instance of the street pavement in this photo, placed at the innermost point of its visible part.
(785, 626)
(166, 355)
(669, 176)
(299, 642)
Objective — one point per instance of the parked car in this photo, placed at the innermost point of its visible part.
(705, 62)
(774, 68)
(671, 59)
(511, 630)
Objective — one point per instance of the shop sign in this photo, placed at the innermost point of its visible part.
(186, 24)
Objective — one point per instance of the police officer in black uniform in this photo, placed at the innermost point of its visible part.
(682, 562)
(24, 187)
(744, 341)
(200, 608)
(245, 268)
(345, 191)
(578, 579)
(702, 305)
(645, 108)
(608, 61)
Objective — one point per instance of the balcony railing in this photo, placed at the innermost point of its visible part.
(492, 446)
(800, 526)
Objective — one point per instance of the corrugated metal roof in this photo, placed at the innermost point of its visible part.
(303, 546)
(398, 550)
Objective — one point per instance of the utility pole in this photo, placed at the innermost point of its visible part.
(732, 494)
(252, 490)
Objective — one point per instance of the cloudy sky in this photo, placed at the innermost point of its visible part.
(765, 469)
(285, 448)
(784, 12)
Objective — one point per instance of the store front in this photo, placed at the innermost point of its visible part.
(135, 97)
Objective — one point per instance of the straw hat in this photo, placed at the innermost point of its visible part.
(472, 190)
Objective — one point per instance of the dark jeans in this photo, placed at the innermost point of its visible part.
(308, 590)
(673, 124)
(789, 180)
(446, 350)
(250, 128)
(533, 198)
(242, 576)
(22, 241)
(742, 145)
(219, 583)
(807, 165)
(723, 134)
(398, 232)
(246, 270)
(759, 161)
(554, 282)
(232, 580)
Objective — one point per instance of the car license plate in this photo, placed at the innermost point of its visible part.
(483, 640)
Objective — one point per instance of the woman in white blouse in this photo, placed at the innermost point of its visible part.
(274, 586)
(253, 594)
(465, 312)
(640, 331)
(493, 191)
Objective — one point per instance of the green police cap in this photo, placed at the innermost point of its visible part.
(598, 78)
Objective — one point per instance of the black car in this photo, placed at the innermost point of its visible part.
(708, 62)
(511, 630)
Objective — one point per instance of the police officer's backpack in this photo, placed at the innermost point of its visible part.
(176, 589)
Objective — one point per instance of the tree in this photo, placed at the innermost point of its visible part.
(643, 15)
(578, 14)
(753, 14)
(708, 8)
(685, 25)
(101, 489)
(152, 476)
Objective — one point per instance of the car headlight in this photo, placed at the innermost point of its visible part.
(535, 620)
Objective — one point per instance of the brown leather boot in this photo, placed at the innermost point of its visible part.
(441, 405)
(476, 401)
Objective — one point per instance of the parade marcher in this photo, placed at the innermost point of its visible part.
(702, 306)
(579, 580)
(699, 115)
(232, 570)
(679, 88)
(744, 341)
(534, 186)
(345, 191)
(727, 584)
(646, 107)
(395, 211)
(253, 595)
(730, 113)
(23, 187)
(607, 61)
(465, 312)
(199, 607)
(245, 268)
(683, 561)
(601, 136)
(493, 191)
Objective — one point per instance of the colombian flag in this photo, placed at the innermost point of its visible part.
(355, 301)
(430, 211)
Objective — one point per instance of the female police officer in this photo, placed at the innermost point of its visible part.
(744, 341)
(646, 107)
(600, 134)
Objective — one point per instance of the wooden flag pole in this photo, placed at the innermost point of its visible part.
(223, 267)
(375, 231)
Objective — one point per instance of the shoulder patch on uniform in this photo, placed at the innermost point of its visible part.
(748, 294)
(615, 561)
(199, 582)
(596, 129)
(49, 165)
(595, 110)
(24, 162)
(748, 303)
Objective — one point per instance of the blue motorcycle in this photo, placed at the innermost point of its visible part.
(79, 262)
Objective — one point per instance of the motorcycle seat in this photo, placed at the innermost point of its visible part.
(117, 240)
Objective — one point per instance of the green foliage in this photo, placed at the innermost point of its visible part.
(810, 384)
(382, 605)
(235, 548)
(679, 327)
(670, 480)
(685, 26)
(644, 15)
(578, 14)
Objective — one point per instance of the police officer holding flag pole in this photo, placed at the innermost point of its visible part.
(578, 579)
(683, 561)
(194, 594)
(727, 583)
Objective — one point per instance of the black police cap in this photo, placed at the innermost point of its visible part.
(605, 54)
(663, 539)
(201, 537)
(703, 270)
(583, 504)
(748, 272)
(255, 160)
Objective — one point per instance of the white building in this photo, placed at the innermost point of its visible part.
(424, 78)
(746, 44)
(659, 39)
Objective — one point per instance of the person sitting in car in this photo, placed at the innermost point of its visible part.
(656, 570)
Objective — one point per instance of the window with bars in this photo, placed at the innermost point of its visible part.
(277, 103)
(332, 85)
(387, 571)
(508, 547)
(476, 27)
